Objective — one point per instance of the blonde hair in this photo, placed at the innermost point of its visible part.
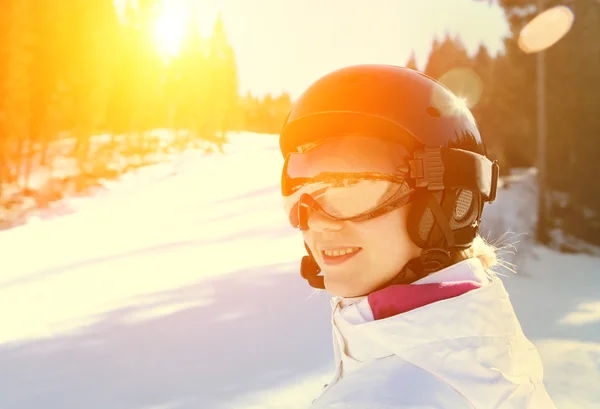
(481, 249)
(488, 253)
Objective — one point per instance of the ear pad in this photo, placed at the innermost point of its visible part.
(465, 210)
(466, 218)
(421, 220)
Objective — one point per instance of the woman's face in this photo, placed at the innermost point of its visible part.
(358, 257)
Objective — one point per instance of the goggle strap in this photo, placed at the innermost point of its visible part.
(470, 171)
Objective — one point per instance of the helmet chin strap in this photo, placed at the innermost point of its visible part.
(309, 270)
(436, 253)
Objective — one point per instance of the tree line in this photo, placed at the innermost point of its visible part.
(86, 95)
(504, 87)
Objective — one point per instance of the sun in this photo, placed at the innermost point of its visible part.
(170, 26)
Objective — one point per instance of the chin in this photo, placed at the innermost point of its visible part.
(342, 288)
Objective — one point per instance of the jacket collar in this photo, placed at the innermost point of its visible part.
(485, 311)
(466, 270)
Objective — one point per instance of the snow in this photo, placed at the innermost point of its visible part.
(177, 287)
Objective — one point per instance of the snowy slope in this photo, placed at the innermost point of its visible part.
(556, 296)
(178, 288)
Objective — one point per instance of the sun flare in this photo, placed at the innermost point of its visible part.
(170, 26)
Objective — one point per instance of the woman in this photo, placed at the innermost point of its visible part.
(386, 176)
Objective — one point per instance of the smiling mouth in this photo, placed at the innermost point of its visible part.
(339, 255)
(340, 251)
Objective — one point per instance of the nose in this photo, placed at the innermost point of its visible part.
(320, 222)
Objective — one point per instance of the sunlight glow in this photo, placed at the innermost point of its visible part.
(170, 27)
(464, 83)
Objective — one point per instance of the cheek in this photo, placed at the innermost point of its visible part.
(390, 232)
(309, 240)
(387, 226)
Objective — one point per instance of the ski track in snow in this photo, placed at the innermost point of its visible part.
(178, 288)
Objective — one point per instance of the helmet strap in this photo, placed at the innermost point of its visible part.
(310, 270)
(441, 234)
(428, 220)
(437, 240)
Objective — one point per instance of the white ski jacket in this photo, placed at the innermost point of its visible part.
(466, 352)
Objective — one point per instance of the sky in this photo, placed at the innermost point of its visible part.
(284, 45)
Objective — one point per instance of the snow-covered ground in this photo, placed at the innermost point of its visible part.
(178, 288)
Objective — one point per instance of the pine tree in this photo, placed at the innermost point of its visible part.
(412, 61)
(188, 83)
(486, 109)
(15, 102)
(572, 124)
(47, 68)
(224, 76)
(94, 29)
(444, 56)
(5, 165)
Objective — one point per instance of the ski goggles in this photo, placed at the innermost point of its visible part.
(352, 178)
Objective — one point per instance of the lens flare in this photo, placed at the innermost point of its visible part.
(546, 29)
(465, 84)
